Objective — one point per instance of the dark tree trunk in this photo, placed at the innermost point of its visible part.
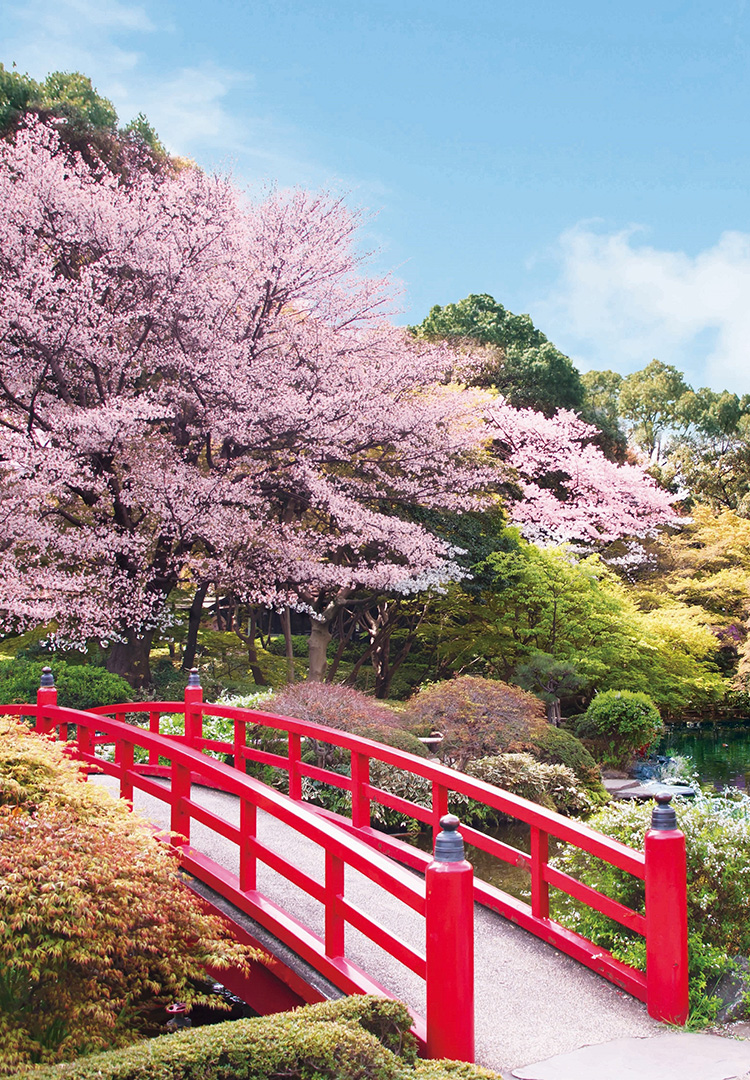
(130, 659)
(286, 624)
(194, 622)
(249, 640)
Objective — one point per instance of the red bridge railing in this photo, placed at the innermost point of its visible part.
(663, 986)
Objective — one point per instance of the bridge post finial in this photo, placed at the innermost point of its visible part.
(666, 915)
(449, 914)
(193, 715)
(46, 695)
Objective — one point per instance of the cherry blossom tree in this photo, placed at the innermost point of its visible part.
(196, 385)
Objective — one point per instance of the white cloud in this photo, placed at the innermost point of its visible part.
(619, 302)
(73, 35)
(196, 109)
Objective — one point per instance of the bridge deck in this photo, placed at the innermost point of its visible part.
(532, 1001)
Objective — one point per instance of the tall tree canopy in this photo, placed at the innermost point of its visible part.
(519, 361)
(86, 123)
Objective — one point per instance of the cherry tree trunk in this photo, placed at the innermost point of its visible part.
(320, 635)
(131, 659)
(194, 622)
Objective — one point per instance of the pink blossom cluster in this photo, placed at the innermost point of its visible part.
(571, 491)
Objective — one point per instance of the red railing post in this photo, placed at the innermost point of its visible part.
(360, 798)
(439, 807)
(46, 695)
(539, 885)
(294, 743)
(193, 716)
(125, 761)
(86, 744)
(449, 913)
(334, 891)
(153, 726)
(179, 795)
(666, 916)
(248, 858)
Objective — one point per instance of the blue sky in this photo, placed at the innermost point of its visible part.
(585, 162)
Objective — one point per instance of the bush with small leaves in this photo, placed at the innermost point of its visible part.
(356, 1038)
(97, 930)
(553, 786)
(79, 686)
(717, 837)
(619, 724)
(556, 746)
(348, 710)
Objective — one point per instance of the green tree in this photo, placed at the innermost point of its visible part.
(85, 121)
(519, 361)
(650, 401)
(579, 613)
(551, 679)
(601, 406)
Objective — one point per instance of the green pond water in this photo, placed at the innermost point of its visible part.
(721, 753)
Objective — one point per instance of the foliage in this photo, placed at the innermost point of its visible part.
(349, 710)
(546, 600)
(551, 679)
(476, 716)
(553, 786)
(601, 407)
(186, 434)
(97, 929)
(650, 399)
(277, 646)
(355, 1038)
(717, 835)
(621, 723)
(228, 405)
(557, 746)
(79, 686)
(520, 362)
(85, 122)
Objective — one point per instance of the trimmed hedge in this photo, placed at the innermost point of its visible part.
(356, 1038)
(556, 746)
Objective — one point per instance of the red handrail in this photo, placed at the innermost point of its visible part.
(186, 765)
(666, 997)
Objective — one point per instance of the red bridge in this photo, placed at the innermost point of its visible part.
(171, 771)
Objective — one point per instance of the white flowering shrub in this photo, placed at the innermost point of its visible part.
(717, 837)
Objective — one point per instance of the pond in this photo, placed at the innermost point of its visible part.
(721, 752)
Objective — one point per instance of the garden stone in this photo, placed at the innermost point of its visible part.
(733, 990)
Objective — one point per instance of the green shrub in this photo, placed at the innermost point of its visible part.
(620, 724)
(478, 717)
(97, 930)
(717, 836)
(79, 686)
(356, 1038)
(553, 786)
(559, 747)
(300, 645)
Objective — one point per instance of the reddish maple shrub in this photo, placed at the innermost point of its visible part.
(477, 717)
(97, 931)
(348, 710)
